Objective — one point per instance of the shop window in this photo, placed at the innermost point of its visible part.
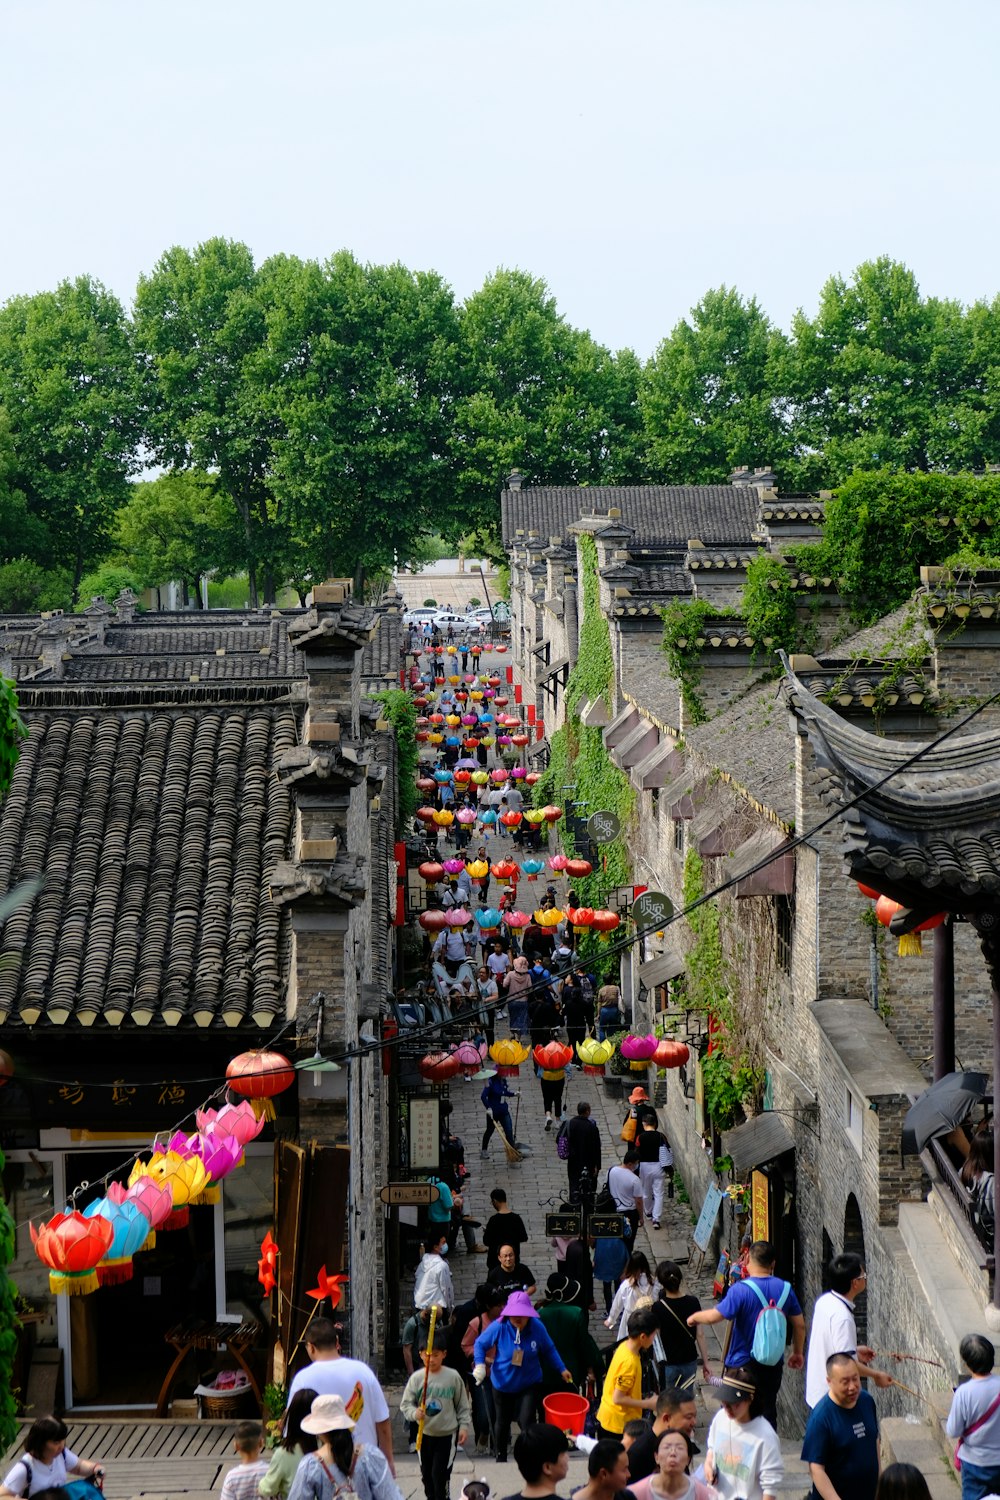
(854, 1118)
(784, 921)
(678, 835)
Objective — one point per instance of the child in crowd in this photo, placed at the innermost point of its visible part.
(446, 1412)
(243, 1482)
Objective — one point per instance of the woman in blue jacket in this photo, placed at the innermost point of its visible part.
(519, 1342)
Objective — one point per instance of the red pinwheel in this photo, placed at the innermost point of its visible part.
(268, 1262)
(328, 1286)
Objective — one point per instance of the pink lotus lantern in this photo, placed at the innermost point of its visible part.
(518, 773)
(156, 1203)
(499, 776)
(237, 1120)
(220, 1154)
(454, 867)
(465, 815)
(469, 719)
(469, 1057)
(638, 1050)
(515, 919)
(458, 917)
(503, 739)
(558, 862)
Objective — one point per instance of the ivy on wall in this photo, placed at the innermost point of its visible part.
(398, 710)
(594, 672)
(683, 630)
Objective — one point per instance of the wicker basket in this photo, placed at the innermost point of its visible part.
(227, 1404)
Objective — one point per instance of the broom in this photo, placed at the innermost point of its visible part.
(510, 1149)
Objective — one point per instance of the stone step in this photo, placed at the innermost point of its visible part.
(918, 1443)
(951, 1301)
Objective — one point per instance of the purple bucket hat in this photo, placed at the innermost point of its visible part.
(518, 1305)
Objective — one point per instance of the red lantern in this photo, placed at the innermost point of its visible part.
(533, 778)
(520, 740)
(431, 872)
(670, 1054)
(438, 1067)
(258, 1076)
(605, 922)
(910, 944)
(6, 1068)
(425, 784)
(432, 921)
(425, 814)
(576, 869)
(553, 1057)
(552, 814)
(869, 891)
(71, 1245)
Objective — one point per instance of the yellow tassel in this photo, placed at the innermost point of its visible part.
(208, 1196)
(73, 1283)
(262, 1108)
(910, 945)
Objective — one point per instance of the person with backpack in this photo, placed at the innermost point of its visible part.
(760, 1308)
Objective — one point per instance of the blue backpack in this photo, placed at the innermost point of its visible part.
(770, 1332)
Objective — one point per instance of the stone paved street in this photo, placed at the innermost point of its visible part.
(535, 1187)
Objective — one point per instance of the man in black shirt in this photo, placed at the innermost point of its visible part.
(584, 1160)
(504, 1227)
(511, 1275)
(676, 1411)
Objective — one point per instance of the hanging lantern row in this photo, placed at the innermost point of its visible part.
(96, 1247)
(466, 1057)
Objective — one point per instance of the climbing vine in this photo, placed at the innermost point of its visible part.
(770, 605)
(595, 668)
(12, 732)
(683, 633)
(398, 709)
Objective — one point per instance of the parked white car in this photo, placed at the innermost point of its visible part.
(418, 616)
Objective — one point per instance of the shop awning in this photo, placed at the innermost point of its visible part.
(636, 746)
(659, 767)
(659, 970)
(777, 878)
(678, 796)
(621, 727)
(540, 747)
(707, 832)
(594, 713)
(758, 1140)
(556, 666)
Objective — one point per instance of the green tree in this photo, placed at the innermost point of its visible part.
(69, 398)
(177, 527)
(879, 378)
(359, 372)
(106, 582)
(536, 394)
(711, 395)
(26, 587)
(201, 324)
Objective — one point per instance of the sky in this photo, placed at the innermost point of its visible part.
(633, 153)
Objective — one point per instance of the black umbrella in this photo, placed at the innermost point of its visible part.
(941, 1108)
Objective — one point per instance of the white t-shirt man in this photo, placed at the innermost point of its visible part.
(625, 1189)
(833, 1331)
(355, 1384)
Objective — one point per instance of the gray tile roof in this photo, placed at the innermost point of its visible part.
(752, 745)
(667, 515)
(157, 834)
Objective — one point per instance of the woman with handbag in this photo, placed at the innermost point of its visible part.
(339, 1467)
(974, 1419)
(48, 1464)
(679, 1345)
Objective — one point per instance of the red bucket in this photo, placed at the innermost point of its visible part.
(566, 1410)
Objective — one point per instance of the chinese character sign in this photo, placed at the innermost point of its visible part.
(425, 1134)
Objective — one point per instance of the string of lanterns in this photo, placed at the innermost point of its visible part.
(95, 1247)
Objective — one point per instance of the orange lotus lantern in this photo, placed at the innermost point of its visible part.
(553, 1058)
(504, 870)
(258, 1076)
(910, 945)
(72, 1246)
(508, 1055)
(670, 1054)
(581, 917)
(510, 819)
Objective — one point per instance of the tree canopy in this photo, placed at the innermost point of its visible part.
(299, 418)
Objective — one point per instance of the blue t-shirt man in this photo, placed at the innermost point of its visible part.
(742, 1307)
(844, 1439)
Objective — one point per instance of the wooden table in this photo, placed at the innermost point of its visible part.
(197, 1334)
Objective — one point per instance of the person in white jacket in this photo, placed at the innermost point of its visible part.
(743, 1458)
(638, 1288)
(433, 1286)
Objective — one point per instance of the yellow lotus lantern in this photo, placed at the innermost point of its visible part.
(508, 1055)
(454, 680)
(480, 778)
(550, 917)
(452, 650)
(186, 1177)
(534, 816)
(594, 1055)
(452, 719)
(443, 818)
(488, 740)
(478, 869)
(476, 695)
(434, 739)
